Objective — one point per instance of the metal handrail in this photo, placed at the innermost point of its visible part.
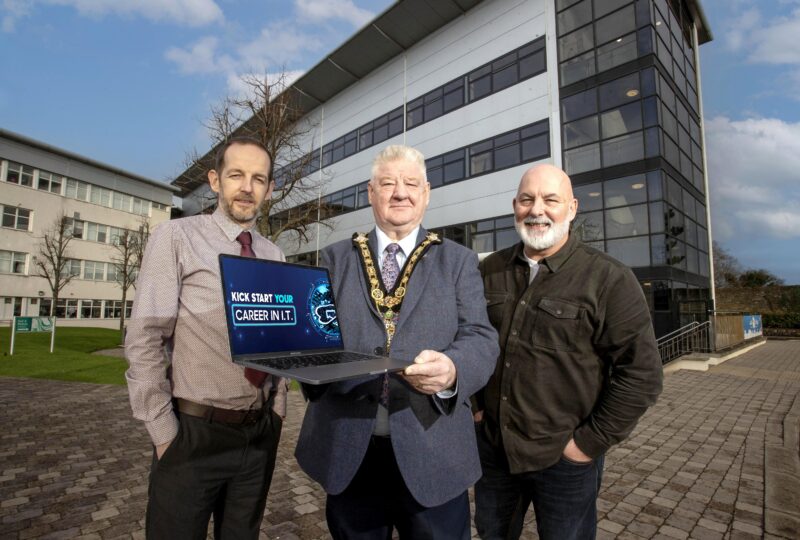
(694, 339)
(678, 331)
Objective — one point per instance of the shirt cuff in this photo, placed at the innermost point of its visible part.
(163, 430)
(448, 393)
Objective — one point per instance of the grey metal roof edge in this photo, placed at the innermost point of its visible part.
(88, 161)
(327, 58)
(704, 29)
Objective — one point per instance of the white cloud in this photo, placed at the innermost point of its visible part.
(187, 12)
(754, 177)
(182, 12)
(326, 10)
(739, 29)
(276, 45)
(776, 42)
(12, 11)
(198, 58)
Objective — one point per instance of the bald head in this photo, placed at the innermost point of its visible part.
(543, 210)
(549, 174)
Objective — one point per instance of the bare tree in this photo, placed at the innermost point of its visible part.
(129, 251)
(727, 268)
(263, 111)
(53, 261)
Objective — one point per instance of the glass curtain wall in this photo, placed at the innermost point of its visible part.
(632, 143)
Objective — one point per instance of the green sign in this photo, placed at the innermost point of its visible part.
(33, 324)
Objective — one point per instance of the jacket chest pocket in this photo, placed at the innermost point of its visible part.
(495, 307)
(558, 324)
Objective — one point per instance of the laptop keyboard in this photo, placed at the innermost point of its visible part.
(323, 359)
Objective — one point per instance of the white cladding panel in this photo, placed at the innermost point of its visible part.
(484, 33)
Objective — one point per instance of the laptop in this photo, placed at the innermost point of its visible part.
(282, 319)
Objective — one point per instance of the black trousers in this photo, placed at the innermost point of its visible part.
(213, 468)
(378, 501)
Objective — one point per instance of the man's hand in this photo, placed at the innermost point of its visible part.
(431, 372)
(161, 448)
(478, 417)
(573, 453)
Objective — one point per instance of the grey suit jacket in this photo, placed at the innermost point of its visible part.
(434, 445)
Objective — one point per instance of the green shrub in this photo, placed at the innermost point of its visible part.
(782, 320)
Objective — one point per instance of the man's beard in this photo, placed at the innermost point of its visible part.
(544, 240)
(239, 216)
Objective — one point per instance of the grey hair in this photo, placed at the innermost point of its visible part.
(398, 152)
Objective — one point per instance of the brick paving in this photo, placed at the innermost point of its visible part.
(717, 457)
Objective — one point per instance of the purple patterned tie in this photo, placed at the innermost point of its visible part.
(389, 272)
(389, 267)
(255, 377)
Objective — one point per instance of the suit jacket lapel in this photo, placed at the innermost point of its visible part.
(417, 283)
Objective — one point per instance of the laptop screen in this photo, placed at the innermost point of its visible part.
(274, 307)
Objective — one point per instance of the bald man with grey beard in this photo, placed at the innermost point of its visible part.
(578, 367)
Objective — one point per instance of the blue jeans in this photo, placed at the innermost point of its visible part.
(563, 497)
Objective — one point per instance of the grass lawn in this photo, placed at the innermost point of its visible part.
(71, 359)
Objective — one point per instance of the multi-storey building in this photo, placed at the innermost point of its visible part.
(40, 183)
(607, 89)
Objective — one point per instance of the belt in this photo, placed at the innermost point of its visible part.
(215, 414)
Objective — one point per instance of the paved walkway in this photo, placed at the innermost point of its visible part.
(717, 457)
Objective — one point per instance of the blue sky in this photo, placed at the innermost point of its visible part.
(130, 83)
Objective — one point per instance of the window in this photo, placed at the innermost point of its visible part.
(507, 151)
(630, 251)
(480, 83)
(434, 105)
(77, 190)
(141, 207)
(94, 270)
(16, 218)
(49, 182)
(529, 143)
(590, 196)
(114, 273)
(576, 43)
(454, 95)
(72, 267)
(580, 132)
(480, 158)
(67, 309)
(12, 262)
(90, 309)
(454, 166)
(19, 174)
(101, 196)
(617, 24)
(588, 226)
(575, 17)
(96, 233)
(626, 221)
(625, 191)
(623, 149)
(120, 201)
(415, 113)
(74, 227)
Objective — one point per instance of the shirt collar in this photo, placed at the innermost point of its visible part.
(228, 226)
(407, 243)
(554, 261)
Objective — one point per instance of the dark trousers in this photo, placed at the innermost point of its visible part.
(563, 496)
(377, 500)
(213, 468)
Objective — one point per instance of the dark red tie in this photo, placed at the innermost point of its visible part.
(255, 377)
